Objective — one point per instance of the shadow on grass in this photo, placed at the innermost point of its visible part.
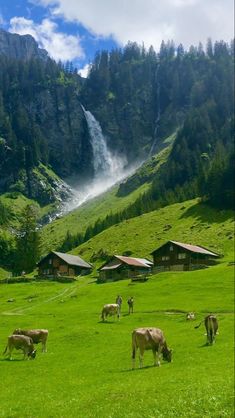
(108, 322)
(205, 213)
(12, 360)
(141, 368)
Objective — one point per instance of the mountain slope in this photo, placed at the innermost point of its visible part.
(189, 222)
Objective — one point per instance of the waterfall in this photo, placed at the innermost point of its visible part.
(155, 135)
(109, 169)
(104, 162)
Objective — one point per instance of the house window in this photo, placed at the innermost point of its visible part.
(165, 257)
(50, 261)
(171, 248)
(181, 256)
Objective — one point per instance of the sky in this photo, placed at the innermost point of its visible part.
(75, 29)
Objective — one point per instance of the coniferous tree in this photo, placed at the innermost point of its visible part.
(28, 247)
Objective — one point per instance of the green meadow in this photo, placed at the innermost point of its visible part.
(87, 369)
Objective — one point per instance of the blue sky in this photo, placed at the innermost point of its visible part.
(75, 29)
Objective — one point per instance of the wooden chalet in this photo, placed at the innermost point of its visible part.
(121, 267)
(174, 255)
(57, 264)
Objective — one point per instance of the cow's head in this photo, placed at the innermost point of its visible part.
(17, 332)
(167, 354)
(32, 354)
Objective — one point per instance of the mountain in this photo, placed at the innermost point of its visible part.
(20, 47)
(135, 105)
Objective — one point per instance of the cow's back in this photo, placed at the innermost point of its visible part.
(148, 338)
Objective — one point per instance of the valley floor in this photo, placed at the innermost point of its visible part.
(87, 370)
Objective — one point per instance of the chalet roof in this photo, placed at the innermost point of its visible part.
(73, 260)
(192, 248)
(130, 261)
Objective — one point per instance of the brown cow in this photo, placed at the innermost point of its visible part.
(109, 310)
(20, 342)
(150, 339)
(211, 325)
(37, 335)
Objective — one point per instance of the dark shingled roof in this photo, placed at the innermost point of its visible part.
(193, 248)
(73, 260)
(130, 261)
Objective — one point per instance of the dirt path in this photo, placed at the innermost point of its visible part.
(67, 292)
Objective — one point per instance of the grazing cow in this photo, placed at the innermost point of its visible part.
(110, 310)
(190, 316)
(37, 335)
(21, 342)
(150, 339)
(212, 325)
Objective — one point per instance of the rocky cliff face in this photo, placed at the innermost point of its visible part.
(20, 47)
(41, 120)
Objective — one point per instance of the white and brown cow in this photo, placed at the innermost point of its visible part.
(37, 335)
(20, 342)
(150, 339)
(110, 309)
(211, 325)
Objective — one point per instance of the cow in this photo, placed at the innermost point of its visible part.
(211, 325)
(190, 316)
(37, 335)
(150, 339)
(21, 342)
(109, 310)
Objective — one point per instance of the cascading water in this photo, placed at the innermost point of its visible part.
(104, 162)
(109, 168)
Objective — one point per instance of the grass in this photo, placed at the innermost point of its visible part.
(87, 370)
(189, 222)
(78, 220)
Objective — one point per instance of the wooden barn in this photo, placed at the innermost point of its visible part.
(175, 256)
(121, 267)
(59, 264)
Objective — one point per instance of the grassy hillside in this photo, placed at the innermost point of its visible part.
(87, 370)
(114, 200)
(190, 222)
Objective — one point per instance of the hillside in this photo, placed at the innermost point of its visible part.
(112, 201)
(189, 222)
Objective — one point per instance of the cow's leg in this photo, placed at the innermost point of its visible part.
(141, 356)
(44, 348)
(10, 353)
(159, 352)
(154, 357)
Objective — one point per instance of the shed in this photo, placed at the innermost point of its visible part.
(122, 267)
(60, 264)
(174, 255)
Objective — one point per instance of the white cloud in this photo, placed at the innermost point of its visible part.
(150, 21)
(59, 45)
(83, 72)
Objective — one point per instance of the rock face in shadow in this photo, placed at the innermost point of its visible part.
(23, 47)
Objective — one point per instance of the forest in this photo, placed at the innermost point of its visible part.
(140, 97)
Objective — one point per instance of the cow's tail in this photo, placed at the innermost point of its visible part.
(197, 326)
(134, 347)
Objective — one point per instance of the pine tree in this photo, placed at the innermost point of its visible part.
(28, 241)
